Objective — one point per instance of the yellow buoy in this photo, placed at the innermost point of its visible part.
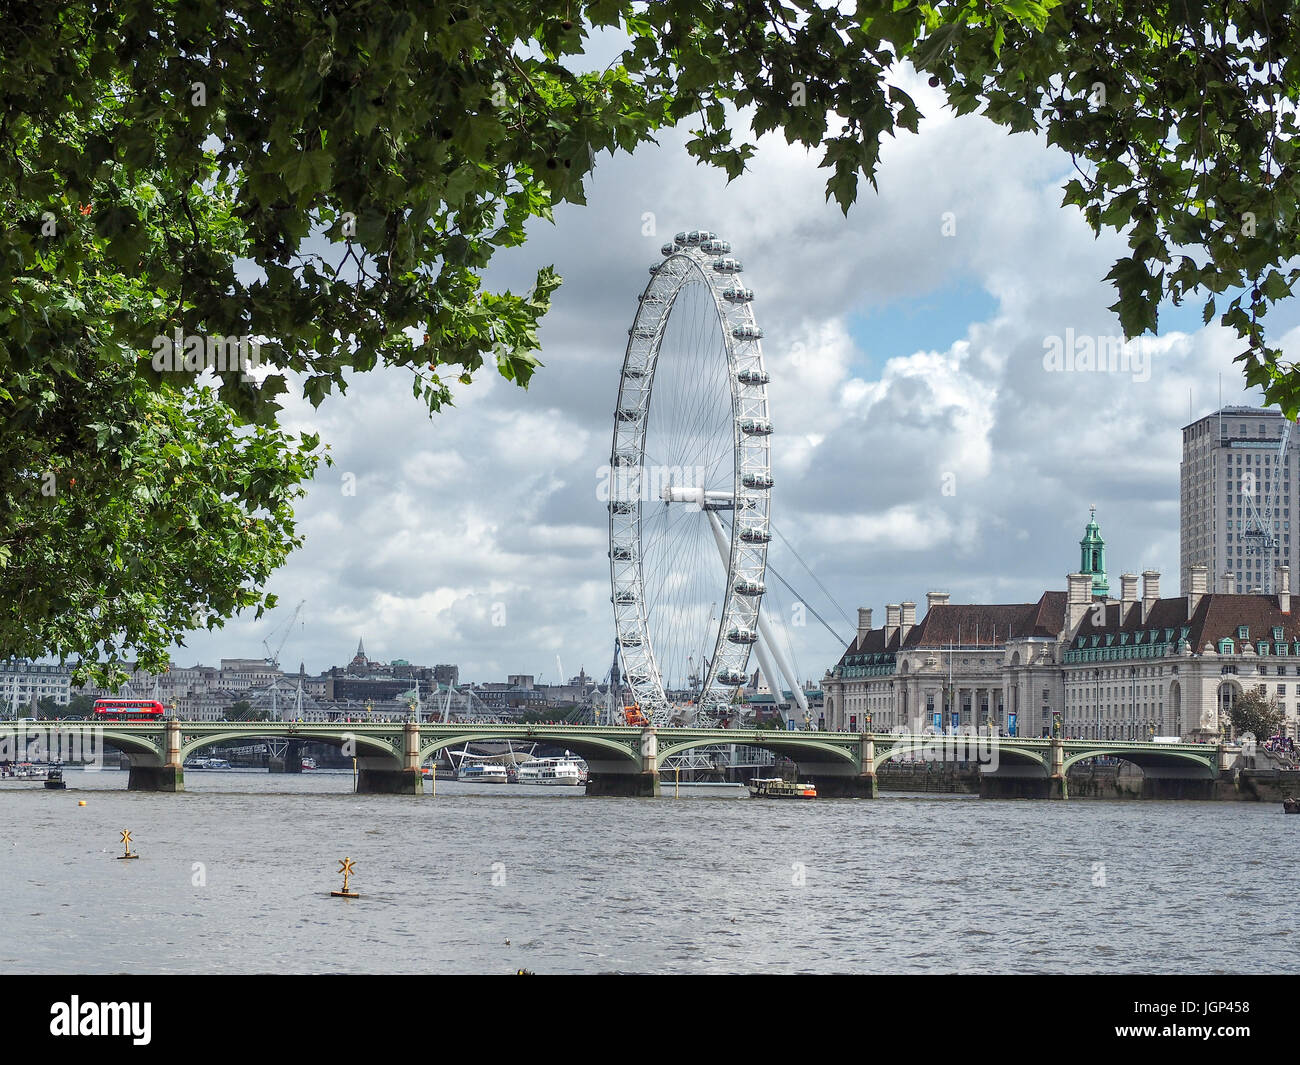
(81, 802)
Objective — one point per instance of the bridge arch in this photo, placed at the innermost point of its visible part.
(153, 750)
(1006, 753)
(786, 744)
(591, 748)
(1202, 766)
(366, 745)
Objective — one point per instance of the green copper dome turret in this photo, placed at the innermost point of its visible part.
(1092, 556)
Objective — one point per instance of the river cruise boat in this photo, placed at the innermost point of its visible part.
(24, 771)
(54, 779)
(205, 763)
(560, 771)
(482, 773)
(309, 763)
(776, 788)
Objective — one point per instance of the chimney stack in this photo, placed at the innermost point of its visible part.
(1150, 591)
(891, 621)
(934, 599)
(1225, 582)
(1284, 589)
(1080, 598)
(908, 619)
(1128, 594)
(1196, 589)
(864, 622)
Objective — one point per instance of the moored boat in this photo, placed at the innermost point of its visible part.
(1291, 806)
(776, 788)
(54, 778)
(482, 773)
(561, 771)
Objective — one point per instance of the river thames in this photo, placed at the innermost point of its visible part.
(235, 876)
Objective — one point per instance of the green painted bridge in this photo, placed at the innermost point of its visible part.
(625, 760)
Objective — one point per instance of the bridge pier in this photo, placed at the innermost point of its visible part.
(857, 786)
(167, 777)
(627, 785)
(156, 778)
(380, 777)
(642, 783)
(372, 781)
(1021, 786)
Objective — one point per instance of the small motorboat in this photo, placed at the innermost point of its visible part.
(54, 779)
(776, 788)
(1291, 806)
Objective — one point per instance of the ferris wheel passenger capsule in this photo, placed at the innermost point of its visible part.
(622, 506)
(728, 265)
(731, 676)
(628, 414)
(756, 480)
(742, 636)
(753, 377)
(749, 588)
(715, 247)
(737, 294)
(756, 427)
(668, 249)
(755, 536)
(747, 332)
(680, 238)
(621, 554)
(623, 597)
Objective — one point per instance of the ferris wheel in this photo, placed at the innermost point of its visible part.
(689, 488)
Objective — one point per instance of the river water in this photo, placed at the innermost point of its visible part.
(235, 875)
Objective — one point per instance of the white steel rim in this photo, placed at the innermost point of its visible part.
(699, 272)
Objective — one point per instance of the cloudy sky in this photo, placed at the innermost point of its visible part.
(920, 443)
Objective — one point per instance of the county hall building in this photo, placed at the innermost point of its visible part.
(1082, 662)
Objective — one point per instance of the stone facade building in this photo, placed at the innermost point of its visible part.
(1080, 663)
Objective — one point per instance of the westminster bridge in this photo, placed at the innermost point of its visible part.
(626, 760)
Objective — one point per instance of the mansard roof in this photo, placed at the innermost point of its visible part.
(1217, 615)
(989, 625)
(969, 624)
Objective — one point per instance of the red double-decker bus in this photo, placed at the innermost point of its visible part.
(127, 710)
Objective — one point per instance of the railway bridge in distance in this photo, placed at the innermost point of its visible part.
(625, 760)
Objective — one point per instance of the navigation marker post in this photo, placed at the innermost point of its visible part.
(126, 842)
(346, 866)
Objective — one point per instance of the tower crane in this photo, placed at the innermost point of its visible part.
(273, 657)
